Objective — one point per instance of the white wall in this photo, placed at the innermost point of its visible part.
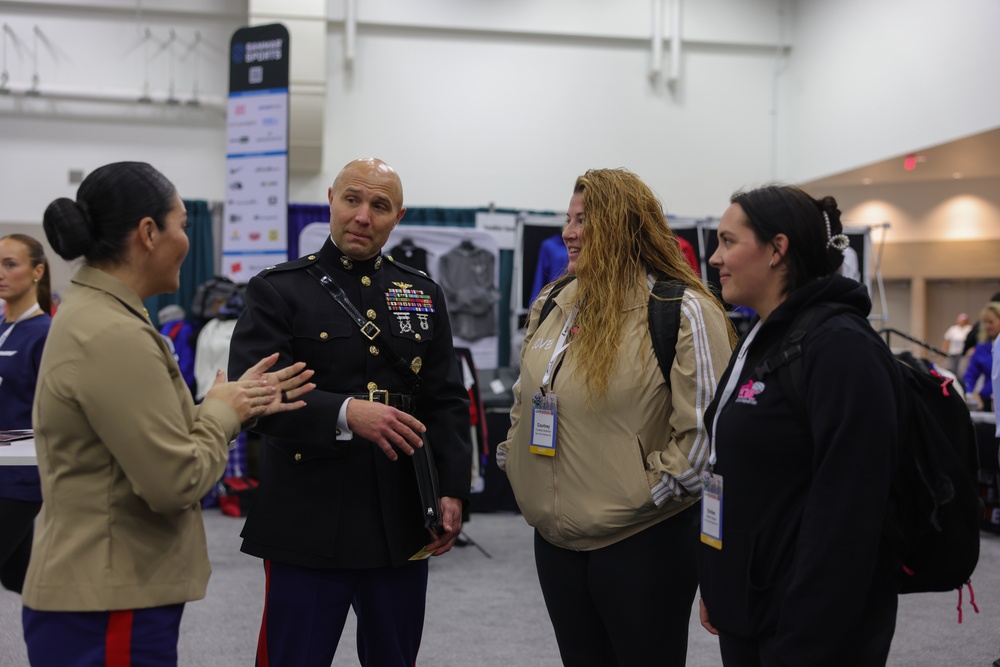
(100, 51)
(870, 79)
(730, 21)
(503, 102)
(507, 101)
(469, 121)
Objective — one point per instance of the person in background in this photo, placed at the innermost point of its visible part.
(26, 287)
(124, 455)
(973, 338)
(981, 361)
(798, 571)
(690, 256)
(179, 331)
(552, 261)
(996, 384)
(954, 341)
(996, 409)
(337, 518)
(614, 498)
(850, 267)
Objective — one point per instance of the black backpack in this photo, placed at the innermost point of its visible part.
(935, 509)
(664, 313)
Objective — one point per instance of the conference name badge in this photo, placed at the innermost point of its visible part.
(543, 423)
(711, 509)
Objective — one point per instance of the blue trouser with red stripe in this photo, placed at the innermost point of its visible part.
(305, 610)
(125, 638)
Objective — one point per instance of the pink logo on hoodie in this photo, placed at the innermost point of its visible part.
(748, 392)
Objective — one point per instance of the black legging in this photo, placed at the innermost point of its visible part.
(626, 604)
(17, 529)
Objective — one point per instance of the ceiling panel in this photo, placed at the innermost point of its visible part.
(977, 156)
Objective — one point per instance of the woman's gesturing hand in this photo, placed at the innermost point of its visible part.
(290, 384)
(259, 393)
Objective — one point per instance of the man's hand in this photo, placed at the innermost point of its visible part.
(451, 526)
(387, 427)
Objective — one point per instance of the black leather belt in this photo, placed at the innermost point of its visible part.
(402, 402)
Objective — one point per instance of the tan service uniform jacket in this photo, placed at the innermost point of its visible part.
(124, 457)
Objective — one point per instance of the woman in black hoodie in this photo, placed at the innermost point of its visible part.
(794, 568)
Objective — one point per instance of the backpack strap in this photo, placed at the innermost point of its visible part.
(550, 299)
(665, 321)
(664, 317)
(789, 354)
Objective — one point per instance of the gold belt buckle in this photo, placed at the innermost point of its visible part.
(384, 395)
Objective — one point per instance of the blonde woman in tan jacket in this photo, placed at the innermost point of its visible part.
(613, 500)
(124, 455)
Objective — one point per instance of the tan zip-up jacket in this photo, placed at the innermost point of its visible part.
(629, 459)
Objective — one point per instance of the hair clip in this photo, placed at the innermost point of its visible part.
(840, 241)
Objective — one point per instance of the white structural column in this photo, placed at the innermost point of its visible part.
(306, 23)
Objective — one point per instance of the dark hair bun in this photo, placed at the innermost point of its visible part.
(68, 228)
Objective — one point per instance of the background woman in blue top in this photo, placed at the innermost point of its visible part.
(981, 360)
(801, 573)
(26, 288)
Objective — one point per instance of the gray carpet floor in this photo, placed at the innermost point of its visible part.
(489, 611)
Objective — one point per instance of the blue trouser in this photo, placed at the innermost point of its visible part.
(124, 638)
(305, 610)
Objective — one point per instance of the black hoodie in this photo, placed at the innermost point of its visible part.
(804, 567)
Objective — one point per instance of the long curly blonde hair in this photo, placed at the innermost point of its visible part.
(627, 237)
(993, 307)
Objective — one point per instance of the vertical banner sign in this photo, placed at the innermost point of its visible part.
(255, 228)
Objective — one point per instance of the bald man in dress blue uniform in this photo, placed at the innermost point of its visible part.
(337, 518)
